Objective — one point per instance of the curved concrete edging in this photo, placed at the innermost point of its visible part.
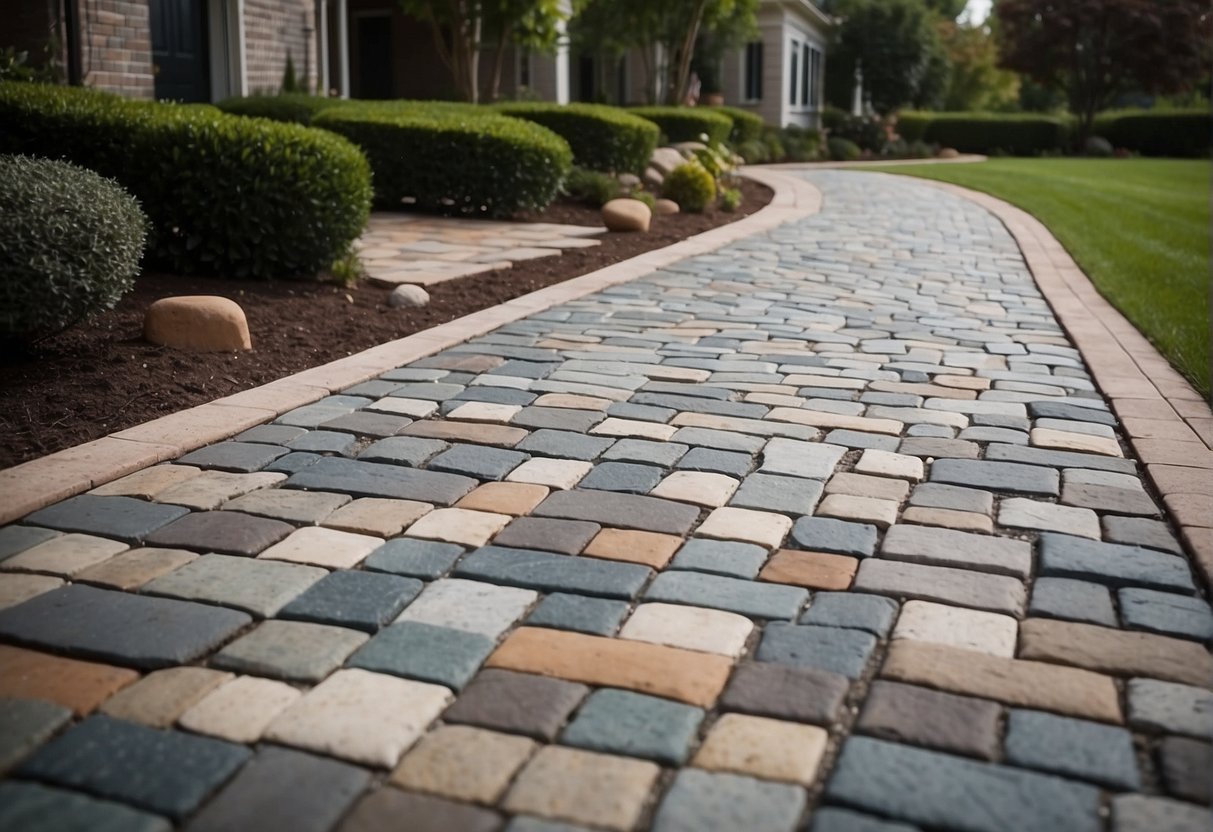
(1168, 423)
(35, 484)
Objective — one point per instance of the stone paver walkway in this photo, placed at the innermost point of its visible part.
(827, 530)
(410, 248)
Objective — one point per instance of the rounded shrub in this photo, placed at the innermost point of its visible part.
(591, 187)
(294, 107)
(747, 126)
(454, 158)
(70, 244)
(754, 152)
(601, 137)
(1182, 133)
(687, 124)
(691, 186)
(226, 195)
(843, 150)
(1016, 134)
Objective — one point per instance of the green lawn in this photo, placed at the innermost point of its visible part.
(1139, 228)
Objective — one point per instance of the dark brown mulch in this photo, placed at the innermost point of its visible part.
(102, 377)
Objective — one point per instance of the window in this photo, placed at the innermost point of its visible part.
(804, 77)
(795, 72)
(815, 92)
(524, 69)
(753, 71)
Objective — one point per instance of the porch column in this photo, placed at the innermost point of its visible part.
(562, 63)
(343, 47)
(322, 43)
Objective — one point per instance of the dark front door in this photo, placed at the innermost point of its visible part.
(179, 50)
(374, 33)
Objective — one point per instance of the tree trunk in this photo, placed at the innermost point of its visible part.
(678, 89)
(498, 65)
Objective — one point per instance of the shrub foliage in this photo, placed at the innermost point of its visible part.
(747, 126)
(1027, 134)
(688, 124)
(691, 186)
(226, 195)
(602, 138)
(1184, 133)
(70, 244)
(295, 107)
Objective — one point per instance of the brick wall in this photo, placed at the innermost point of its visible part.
(116, 46)
(272, 30)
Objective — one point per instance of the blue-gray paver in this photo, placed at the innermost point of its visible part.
(425, 652)
(852, 610)
(824, 534)
(581, 613)
(1102, 754)
(835, 649)
(757, 600)
(720, 557)
(701, 801)
(414, 557)
(632, 724)
(362, 600)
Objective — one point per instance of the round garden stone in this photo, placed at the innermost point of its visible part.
(199, 323)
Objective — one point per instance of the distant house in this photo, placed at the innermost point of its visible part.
(206, 50)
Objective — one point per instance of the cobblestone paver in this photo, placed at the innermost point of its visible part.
(828, 530)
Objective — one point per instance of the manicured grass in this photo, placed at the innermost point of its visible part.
(1139, 228)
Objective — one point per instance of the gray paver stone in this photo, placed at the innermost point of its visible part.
(646, 451)
(1102, 754)
(627, 511)
(824, 534)
(1065, 556)
(701, 801)
(362, 600)
(554, 573)
(965, 587)
(414, 557)
(261, 587)
(404, 450)
(801, 694)
(517, 702)
(720, 557)
(34, 808)
(370, 479)
(997, 476)
(323, 442)
(757, 600)
(243, 457)
(948, 547)
(122, 517)
(1072, 600)
(565, 444)
(634, 725)
(227, 532)
(829, 648)
(14, 539)
(852, 610)
(296, 651)
(622, 476)
(1166, 612)
(477, 461)
(1187, 768)
(834, 819)
(1139, 531)
(1143, 813)
(783, 494)
(731, 463)
(24, 725)
(1016, 454)
(1170, 707)
(942, 721)
(582, 614)
(422, 651)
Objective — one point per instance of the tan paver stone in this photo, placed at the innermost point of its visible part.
(149, 482)
(81, 686)
(1191, 509)
(513, 498)
(649, 548)
(889, 464)
(820, 419)
(703, 489)
(159, 698)
(691, 677)
(633, 428)
(211, 489)
(572, 402)
(583, 787)
(1048, 687)
(484, 412)
(921, 389)
(985, 632)
(319, 546)
(1065, 441)
(361, 716)
(16, 588)
(965, 521)
(1119, 652)
(293, 506)
(458, 525)
(463, 763)
(997, 593)
(378, 516)
(241, 709)
(963, 382)
(65, 555)
(882, 513)
(770, 749)
(762, 527)
(417, 408)
(691, 628)
(554, 473)
(816, 570)
(1022, 513)
(476, 433)
(862, 485)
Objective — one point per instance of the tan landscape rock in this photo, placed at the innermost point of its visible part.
(200, 323)
(626, 215)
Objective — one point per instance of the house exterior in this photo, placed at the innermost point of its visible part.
(207, 50)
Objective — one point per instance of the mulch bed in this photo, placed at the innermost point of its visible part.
(102, 376)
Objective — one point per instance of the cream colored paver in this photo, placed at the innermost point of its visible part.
(762, 527)
(458, 525)
(692, 628)
(463, 763)
(554, 473)
(700, 488)
(888, 464)
(377, 516)
(572, 402)
(633, 428)
(1022, 513)
(1064, 441)
(360, 716)
(132, 569)
(160, 697)
(583, 787)
(319, 546)
(864, 485)
(149, 482)
(240, 710)
(965, 521)
(769, 749)
(882, 513)
(470, 606)
(986, 632)
(417, 408)
(16, 588)
(211, 489)
(291, 505)
(65, 555)
(484, 412)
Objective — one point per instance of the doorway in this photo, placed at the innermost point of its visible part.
(180, 62)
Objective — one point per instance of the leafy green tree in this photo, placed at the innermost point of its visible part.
(975, 81)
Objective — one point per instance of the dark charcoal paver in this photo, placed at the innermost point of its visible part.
(554, 573)
(701, 801)
(518, 703)
(166, 772)
(627, 511)
(828, 648)
(14, 539)
(414, 558)
(422, 651)
(634, 725)
(370, 479)
(31, 807)
(758, 600)
(802, 694)
(227, 532)
(562, 611)
(284, 789)
(24, 725)
(568, 537)
(324, 442)
(242, 457)
(1072, 748)
(1187, 768)
(1139, 531)
(362, 600)
(930, 718)
(852, 610)
(122, 517)
(119, 627)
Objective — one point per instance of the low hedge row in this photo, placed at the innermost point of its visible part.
(225, 195)
(687, 124)
(1013, 133)
(602, 138)
(453, 158)
(295, 107)
(747, 126)
(1185, 133)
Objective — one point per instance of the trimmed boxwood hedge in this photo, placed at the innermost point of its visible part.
(70, 244)
(1027, 134)
(687, 124)
(453, 158)
(1185, 133)
(295, 107)
(225, 195)
(601, 137)
(747, 126)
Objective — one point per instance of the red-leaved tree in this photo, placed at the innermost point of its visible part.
(1094, 50)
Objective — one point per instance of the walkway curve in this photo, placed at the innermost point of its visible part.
(829, 528)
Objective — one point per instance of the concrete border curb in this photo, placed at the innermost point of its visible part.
(40, 482)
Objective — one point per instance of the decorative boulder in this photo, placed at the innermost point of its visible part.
(667, 206)
(665, 159)
(653, 177)
(626, 215)
(628, 180)
(406, 294)
(949, 153)
(688, 148)
(199, 323)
